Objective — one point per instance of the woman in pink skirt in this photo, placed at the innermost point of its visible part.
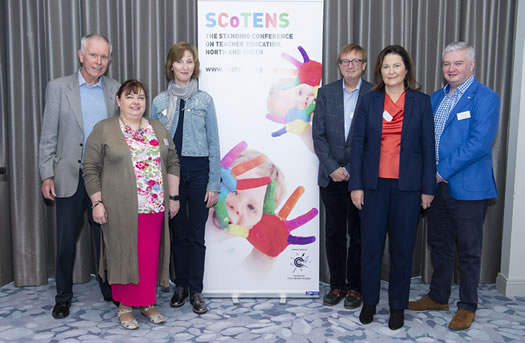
(131, 172)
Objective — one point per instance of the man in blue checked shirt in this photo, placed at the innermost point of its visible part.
(466, 115)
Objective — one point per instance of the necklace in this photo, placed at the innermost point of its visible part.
(137, 134)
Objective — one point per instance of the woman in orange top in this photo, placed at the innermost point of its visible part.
(392, 171)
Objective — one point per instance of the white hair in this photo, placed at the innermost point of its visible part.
(83, 41)
(471, 53)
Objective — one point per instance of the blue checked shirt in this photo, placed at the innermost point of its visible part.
(447, 105)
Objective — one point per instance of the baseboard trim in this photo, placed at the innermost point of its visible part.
(510, 287)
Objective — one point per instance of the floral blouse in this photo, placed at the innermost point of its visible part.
(145, 155)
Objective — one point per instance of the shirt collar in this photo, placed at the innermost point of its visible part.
(81, 81)
(461, 88)
(357, 88)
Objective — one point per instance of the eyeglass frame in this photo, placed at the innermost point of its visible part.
(355, 62)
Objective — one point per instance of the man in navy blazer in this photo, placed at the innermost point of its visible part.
(331, 131)
(74, 104)
(466, 116)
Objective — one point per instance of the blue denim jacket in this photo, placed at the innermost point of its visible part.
(200, 135)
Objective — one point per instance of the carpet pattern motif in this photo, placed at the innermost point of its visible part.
(25, 316)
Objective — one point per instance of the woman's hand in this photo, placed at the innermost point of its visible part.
(358, 198)
(426, 200)
(211, 199)
(100, 215)
(174, 208)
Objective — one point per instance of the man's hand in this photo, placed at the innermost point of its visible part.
(358, 198)
(48, 189)
(440, 179)
(339, 175)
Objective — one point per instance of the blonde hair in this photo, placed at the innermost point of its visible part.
(268, 168)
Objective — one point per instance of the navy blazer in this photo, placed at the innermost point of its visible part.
(465, 147)
(328, 129)
(417, 166)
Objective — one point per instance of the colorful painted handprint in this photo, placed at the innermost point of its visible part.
(308, 71)
(271, 235)
(296, 120)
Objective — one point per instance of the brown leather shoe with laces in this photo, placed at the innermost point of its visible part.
(462, 319)
(425, 304)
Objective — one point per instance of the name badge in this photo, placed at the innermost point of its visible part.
(387, 116)
(464, 115)
(166, 142)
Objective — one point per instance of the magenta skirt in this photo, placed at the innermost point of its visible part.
(148, 243)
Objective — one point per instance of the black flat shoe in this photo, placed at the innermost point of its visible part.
(352, 300)
(333, 297)
(367, 314)
(61, 310)
(179, 297)
(397, 319)
(199, 305)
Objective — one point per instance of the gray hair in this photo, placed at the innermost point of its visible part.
(471, 53)
(83, 41)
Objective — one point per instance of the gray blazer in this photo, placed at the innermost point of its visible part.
(62, 134)
(328, 133)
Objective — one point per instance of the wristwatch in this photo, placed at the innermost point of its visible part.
(174, 197)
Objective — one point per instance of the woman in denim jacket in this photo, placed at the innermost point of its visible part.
(189, 115)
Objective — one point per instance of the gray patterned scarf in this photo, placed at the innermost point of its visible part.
(175, 93)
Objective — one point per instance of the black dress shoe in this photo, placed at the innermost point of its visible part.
(179, 296)
(61, 310)
(397, 319)
(352, 300)
(199, 306)
(334, 297)
(367, 314)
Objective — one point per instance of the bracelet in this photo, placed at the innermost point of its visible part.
(174, 197)
(95, 204)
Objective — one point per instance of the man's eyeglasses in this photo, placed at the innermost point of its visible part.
(355, 62)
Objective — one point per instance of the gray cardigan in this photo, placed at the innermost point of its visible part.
(108, 168)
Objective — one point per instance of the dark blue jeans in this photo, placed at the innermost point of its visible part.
(342, 221)
(187, 231)
(69, 223)
(454, 222)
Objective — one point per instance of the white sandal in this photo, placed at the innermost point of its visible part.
(127, 324)
(154, 318)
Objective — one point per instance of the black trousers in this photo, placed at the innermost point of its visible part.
(69, 223)
(187, 230)
(455, 223)
(342, 220)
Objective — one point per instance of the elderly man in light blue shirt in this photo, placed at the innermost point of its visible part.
(74, 104)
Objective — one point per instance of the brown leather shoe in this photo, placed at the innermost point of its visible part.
(334, 297)
(425, 304)
(462, 320)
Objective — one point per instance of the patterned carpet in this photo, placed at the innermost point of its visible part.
(25, 316)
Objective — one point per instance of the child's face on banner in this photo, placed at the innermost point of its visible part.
(299, 96)
(245, 207)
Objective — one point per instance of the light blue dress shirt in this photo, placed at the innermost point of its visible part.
(350, 100)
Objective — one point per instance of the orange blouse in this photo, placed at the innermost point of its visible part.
(391, 137)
